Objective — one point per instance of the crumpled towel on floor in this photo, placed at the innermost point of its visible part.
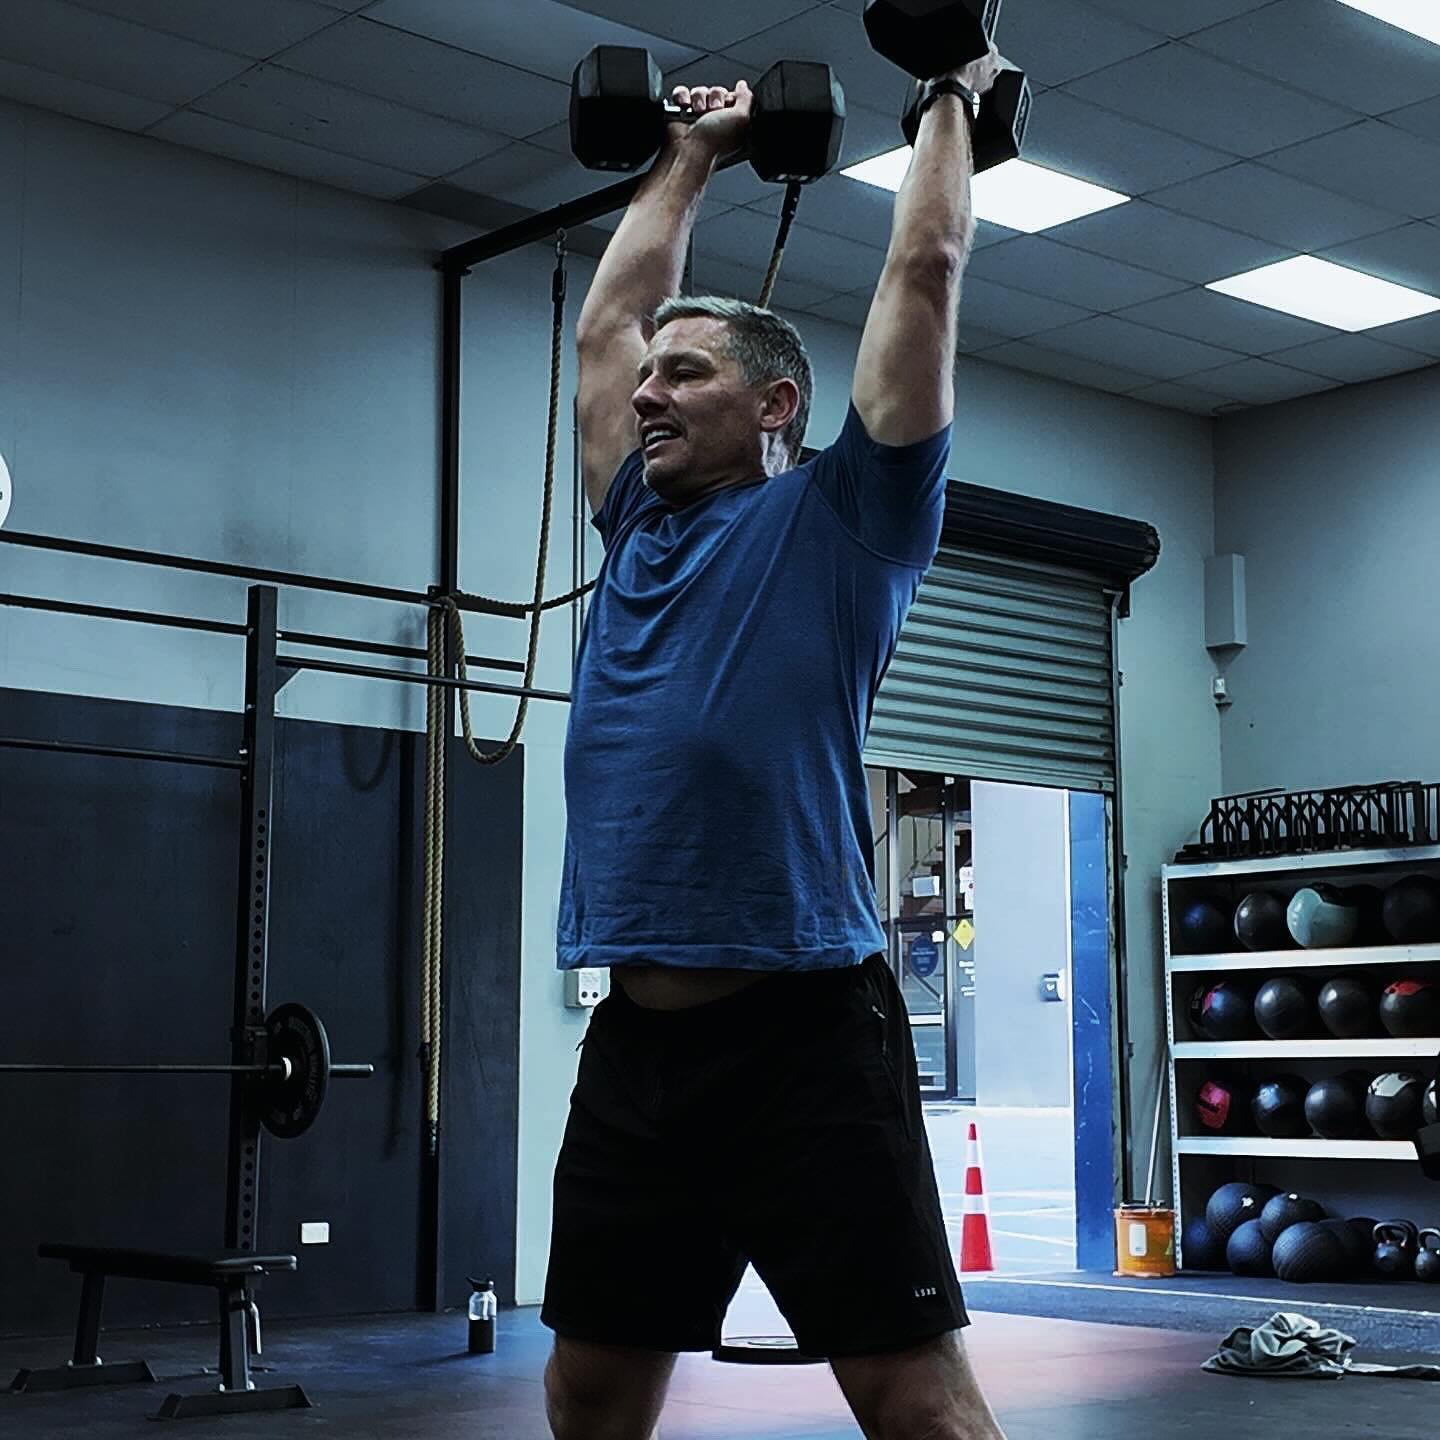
(1295, 1347)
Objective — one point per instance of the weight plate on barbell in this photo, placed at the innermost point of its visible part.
(288, 1106)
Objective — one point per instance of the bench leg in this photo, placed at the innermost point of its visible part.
(235, 1339)
(85, 1367)
(87, 1328)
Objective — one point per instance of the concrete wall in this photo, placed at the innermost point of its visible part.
(1335, 503)
(202, 357)
(1022, 931)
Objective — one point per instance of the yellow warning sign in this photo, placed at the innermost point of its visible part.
(964, 934)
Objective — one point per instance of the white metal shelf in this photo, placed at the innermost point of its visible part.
(1306, 959)
(1367, 1048)
(1259, 1145)
(1278, 864)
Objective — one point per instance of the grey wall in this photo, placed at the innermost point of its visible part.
(199, 356)
(1022, 930)
(1335, 504)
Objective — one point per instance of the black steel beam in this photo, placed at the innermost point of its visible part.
(110, 612)
(416, 677)
(119, 752)
(452, 293)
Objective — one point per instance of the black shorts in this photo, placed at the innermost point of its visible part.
(780, 1125)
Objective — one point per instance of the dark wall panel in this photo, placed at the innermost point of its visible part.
(116, 943)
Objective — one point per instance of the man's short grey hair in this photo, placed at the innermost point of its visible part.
(764, 346)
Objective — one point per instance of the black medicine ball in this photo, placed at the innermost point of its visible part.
(1279, 1107)
(1247, 1251)
(1355, 1245)
(1222, 1011)
(1347, 1008)
(1282, 1008)
(1260, 922)
(1410, 1007)
(1202, 928)
(1393, 1104)
(1308, 1252)
(1233, 1204)
(1283, 1211)
(1411, 910)
(1199, 1247)
(1335, 1107)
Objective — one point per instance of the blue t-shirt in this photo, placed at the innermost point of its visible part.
(718, 812)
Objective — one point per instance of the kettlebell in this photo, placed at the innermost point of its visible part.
(1427, 1260)
(1396, 1244)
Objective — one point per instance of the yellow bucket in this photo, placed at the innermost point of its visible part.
(1144, 1241)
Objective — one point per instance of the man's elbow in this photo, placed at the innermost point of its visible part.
(935, 266)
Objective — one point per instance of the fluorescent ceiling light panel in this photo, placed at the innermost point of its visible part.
(1419, 17)
(1017, 195)
(1329, 294)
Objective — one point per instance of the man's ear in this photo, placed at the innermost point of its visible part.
(780, 401)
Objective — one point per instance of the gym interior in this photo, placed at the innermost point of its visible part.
(288, 294)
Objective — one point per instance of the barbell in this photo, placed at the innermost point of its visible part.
(291, 1082)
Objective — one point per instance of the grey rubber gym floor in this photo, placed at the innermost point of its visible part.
(409, 1376)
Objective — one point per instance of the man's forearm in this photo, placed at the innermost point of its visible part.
(933, 217)
(643, 262)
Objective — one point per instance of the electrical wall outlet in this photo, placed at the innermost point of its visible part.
(585, 989)
(314, 1232)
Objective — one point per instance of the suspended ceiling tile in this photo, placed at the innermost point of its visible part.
(1024, 355)
(1178, 89)
(289, 157)
(1156, 353)
(1184, 397)
(1056, 43)
(973, 340)
(1422, 119)
(1164, 240)
(842, 206)
(1372, 162)
(1032, 262)
(830, 262)
(1421, 333)
(868, 133)
(1352, 359)
(431, 77)
(1073, 136)
(1261, 382)
(1259, 201)
(112, 54)
(78, 98)
(1224, 321)
(1013, 313)
(849, 310)
(1177, 17)
(257, 28)
(712, 26)
(550, 42)
(714, 276)
(1409, 256)
(279, 102)
(518, 163)
(1328, 48)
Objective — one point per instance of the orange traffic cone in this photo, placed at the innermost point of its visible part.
(975, 1253)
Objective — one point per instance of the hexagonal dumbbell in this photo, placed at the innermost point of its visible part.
(928, 37)
(999, 131)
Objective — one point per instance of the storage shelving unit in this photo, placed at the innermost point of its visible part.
(1201, 1161)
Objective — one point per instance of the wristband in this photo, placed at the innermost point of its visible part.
(947, 85)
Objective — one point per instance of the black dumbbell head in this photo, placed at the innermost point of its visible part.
(797, 122)
(929, 37)
(617, 112)
(999, 130)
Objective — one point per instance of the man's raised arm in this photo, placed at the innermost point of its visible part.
(904, 374)
(640, 269)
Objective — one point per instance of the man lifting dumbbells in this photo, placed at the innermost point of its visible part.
(747, 1092)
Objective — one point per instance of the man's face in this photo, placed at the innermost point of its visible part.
(698, 424)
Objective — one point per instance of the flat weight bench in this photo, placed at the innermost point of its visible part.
(234, 1275)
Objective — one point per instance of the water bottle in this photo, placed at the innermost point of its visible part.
(482, 1317)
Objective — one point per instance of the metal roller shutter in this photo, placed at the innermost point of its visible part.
(1004, 671)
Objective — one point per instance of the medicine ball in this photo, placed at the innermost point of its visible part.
(1247, 1252)
(1199, 1247)
(1369, 901)
(1393, 1104)
(1308, 1252)
(1320, 917)
(1335, 1107)
(1279, 1107)
(1260, 922)
(1222, 1011)
(1283, 1211)
(1347, 1008)
(1219, 1110)
(1411, 910)
(1354, 1246)
(1430, 1105)
(1202, 928)
(1282, 1008)
(1233, 1204)
(1411, 1007)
